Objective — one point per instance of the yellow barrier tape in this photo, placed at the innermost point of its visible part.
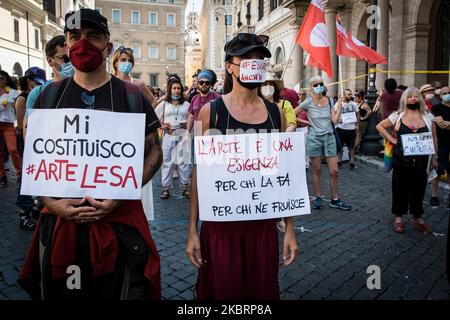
(373, 70)
(342, 81)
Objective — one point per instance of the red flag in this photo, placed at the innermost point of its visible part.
(349, 46)
(312, 37)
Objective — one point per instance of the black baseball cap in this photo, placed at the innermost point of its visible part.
(85, 17)
(246, 42)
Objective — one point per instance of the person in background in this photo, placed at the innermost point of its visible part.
(402, 87)
(437, 93)
(193, 90)
(8, 95)
(441, 112)
(122, 64)
(61, 67)
(271, 90)
(173, 114)
(389, 99)
(364, 112)
(321, 141)
(410, 173)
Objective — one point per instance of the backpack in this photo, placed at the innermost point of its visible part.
(53, 91)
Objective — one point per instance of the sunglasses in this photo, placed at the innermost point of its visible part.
(65, 58)
(318, 84)
(204, 83)
(122, 49)
(261, 39)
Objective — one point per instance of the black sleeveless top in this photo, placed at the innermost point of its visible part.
(407, 161)
(224, 119)
(362, 112)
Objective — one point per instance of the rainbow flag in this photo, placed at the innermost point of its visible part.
(388, 150)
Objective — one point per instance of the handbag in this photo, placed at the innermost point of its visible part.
(388, 151)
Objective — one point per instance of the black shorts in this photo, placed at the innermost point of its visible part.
(347, 137)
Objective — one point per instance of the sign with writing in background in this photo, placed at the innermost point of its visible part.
(253, 70)
(417, 144)
(72, 153)
(349, 117)
(251, 176)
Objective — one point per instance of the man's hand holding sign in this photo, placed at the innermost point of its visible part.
(82, 155)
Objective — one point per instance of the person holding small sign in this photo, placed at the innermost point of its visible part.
(413, 128)
(103, 245)
(348, 126)
(239, 259)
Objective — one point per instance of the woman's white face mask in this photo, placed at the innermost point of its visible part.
(267, 91)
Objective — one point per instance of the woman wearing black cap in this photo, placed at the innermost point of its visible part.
(239, 259)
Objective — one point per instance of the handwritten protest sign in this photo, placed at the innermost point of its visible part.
(251, 176)
(74, 153)
(416, 144)
(349, 117)
(253, 70)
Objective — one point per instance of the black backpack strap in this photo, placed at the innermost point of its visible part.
(213, 114)
(48, 97)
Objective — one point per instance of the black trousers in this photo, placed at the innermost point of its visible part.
(408, 190)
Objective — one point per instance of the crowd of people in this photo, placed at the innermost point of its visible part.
(68, 230)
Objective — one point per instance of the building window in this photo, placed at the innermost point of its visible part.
(171, 53)
(136, 51)
(135, 17)
(239, 23)
(171, 1)
(171, 20)
(36, 38)
(228, 19)
(274, 4)
(153, 18)
(279, 56)
(16, 30)
(152, 1)
(248, 15)
(153, 52)
(228, 38)
(154, 80)
(116, 15)
(135, 75)
(260, 9)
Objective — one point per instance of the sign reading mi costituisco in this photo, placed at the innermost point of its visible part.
(82, 152)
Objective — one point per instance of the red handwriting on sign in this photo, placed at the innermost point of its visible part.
(251, 77)
(283, 145)
(255, 164)
(258, 65)
(91, 177)
(216, 148)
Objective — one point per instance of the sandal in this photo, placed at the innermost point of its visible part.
(165, 194)
(422, 227)
(399, 227)
(186, 193)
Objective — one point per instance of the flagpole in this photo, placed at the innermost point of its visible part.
(340, 76)
(289, 59)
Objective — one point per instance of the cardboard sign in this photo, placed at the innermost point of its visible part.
(251, 176)
(71, 153)
(349, 117)
(417, 144)
(253, 70)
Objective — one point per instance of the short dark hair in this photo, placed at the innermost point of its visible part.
(50, 47)
(390, 85)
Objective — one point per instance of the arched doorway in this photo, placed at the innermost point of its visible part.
(17, 70)
(279, 58)
(439, 44)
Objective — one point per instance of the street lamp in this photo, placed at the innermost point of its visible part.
(224, 14)
(371, 143)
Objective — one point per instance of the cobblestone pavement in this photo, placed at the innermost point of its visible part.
(333, 258)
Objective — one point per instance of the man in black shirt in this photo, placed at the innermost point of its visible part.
(127, 266)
